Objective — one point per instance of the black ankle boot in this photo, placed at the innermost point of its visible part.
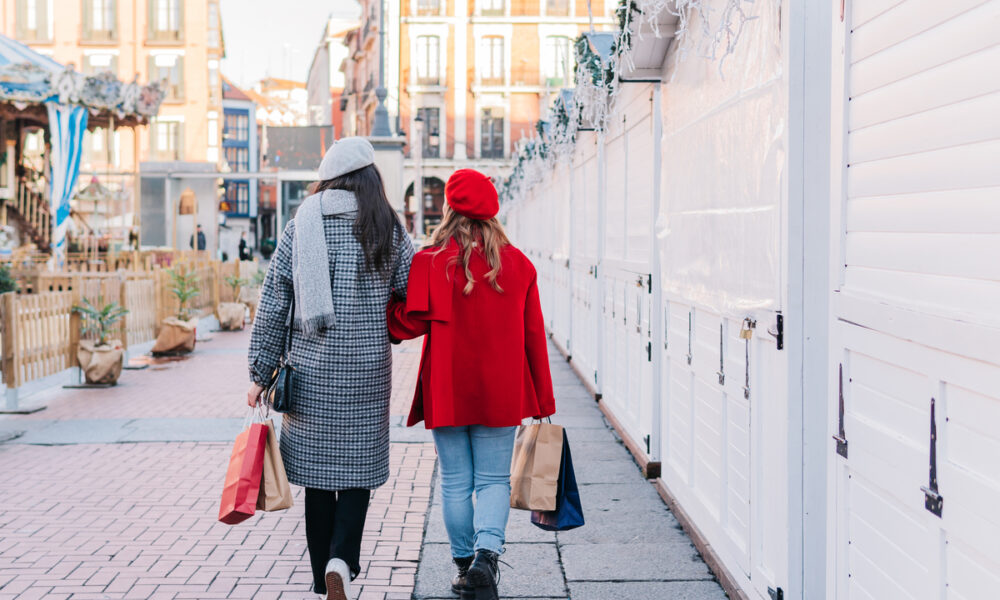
(458, 584)
(483, 577)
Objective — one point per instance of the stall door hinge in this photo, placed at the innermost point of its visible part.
(776, 594)
(841, 437)
(649, 351)
(779, 332)
(646, 439)
(649, 283)
(690, 327)
(933, 501)
(722, 356)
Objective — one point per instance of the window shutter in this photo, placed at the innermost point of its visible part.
(179, 33)
(150, 19)
(113, 25)
(88, 26)
(177, 75)
(42, 6)
(151, 74)
(20, 17)
(179, 148)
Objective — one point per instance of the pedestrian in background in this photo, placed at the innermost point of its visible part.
(484, 368)
(200, 235)
(245, 252)
(336, 264)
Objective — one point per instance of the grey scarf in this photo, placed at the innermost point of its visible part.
(314, 310)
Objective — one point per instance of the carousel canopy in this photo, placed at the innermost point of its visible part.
(28, 77)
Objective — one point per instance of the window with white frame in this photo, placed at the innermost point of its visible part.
(169, 70)
(491, 139)
(99, 63)
(491, 8)
(164, 19)
(431, 117)
(32, 20)
(165, 140)
(491, 60)
(428, 60)
(557, 8)
(428, 7)
(214, 38)
(100, 20)
(557, 61)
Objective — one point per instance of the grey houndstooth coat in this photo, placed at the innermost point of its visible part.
(336, 436)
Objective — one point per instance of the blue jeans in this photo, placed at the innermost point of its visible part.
(477, 458)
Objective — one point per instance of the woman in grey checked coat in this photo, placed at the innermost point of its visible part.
(339, 259)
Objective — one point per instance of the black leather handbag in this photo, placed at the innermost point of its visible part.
(279, 392)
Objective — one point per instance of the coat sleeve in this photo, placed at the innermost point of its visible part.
(401, 272)
(270, 325)
(536, 349)
(401, 325)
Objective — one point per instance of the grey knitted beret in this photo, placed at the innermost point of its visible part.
(346, 155)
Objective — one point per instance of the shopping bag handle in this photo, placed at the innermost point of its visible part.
(254, 415)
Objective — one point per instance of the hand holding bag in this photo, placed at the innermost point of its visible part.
(279, 392)
(275, 492)
(569, 510)
(534, 470)
(246, 466)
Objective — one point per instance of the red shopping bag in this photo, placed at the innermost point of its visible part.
(246, 468)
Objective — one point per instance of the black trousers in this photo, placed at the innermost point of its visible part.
(335, 522)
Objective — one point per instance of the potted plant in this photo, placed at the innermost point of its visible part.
(100, 358)
(177, 333)
(7, 281)
(232, 314)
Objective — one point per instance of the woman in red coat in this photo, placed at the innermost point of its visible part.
(484, 368)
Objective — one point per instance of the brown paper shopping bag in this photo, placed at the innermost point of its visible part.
(275, 492)
(534, 469)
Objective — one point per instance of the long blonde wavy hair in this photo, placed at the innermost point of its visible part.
(471, 234)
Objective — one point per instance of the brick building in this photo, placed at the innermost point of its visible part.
(478, 73)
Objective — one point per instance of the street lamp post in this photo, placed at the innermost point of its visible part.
(380, 128)
(417, 146)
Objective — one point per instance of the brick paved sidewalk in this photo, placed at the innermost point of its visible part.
(138, 520)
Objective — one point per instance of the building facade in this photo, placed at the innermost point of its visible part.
(477, 73)
(241, 153)
(325, 84)
(175, 41)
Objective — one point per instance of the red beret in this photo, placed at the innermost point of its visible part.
(472, 194)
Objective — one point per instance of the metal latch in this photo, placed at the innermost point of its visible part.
(779, 334)
(841, 437)
(776, 594)
(933, 501)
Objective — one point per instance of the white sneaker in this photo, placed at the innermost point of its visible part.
(338, 580)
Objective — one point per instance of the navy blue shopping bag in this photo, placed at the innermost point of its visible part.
(569, 512)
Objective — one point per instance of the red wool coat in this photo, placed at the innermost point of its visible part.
(485, 359)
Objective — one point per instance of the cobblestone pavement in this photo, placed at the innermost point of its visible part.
(632, 547)
(102, 519)
(114, 493)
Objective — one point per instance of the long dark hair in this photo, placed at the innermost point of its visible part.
(376, 223)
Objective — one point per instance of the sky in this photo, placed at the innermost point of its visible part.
(275, 38)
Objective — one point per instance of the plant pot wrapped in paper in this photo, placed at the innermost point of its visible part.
(231, 315)
(176, 336)
(250, 296)
(101, 363)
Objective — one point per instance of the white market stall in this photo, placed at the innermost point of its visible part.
(769, 332)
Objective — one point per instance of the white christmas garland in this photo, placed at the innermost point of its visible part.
(594, 99)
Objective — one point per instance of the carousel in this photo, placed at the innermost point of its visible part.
(45, 109)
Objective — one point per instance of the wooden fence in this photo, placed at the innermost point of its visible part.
(37, 336)
(41, 330)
